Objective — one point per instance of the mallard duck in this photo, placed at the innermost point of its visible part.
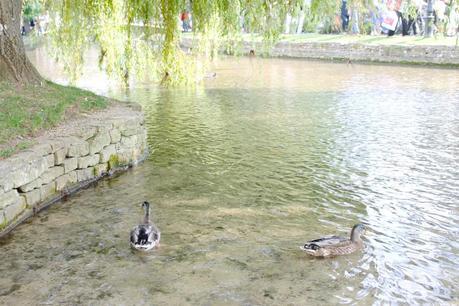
(145, 236)
(334, 245)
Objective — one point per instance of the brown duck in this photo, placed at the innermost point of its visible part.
(334, 245)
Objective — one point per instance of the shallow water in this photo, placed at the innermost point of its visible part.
(267, 155)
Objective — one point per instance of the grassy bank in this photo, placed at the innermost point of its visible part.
(372, 40)
(27, 112)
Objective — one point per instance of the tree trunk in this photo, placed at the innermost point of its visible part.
(15, 67)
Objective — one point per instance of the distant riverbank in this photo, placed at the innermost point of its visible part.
(400, 50)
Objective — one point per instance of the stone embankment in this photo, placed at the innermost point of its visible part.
(67, 159)
(358, 52)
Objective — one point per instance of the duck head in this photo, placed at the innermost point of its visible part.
(357, 231)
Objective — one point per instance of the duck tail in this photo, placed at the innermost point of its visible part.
(310, 248)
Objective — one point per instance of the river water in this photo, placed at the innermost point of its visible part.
(243, 170)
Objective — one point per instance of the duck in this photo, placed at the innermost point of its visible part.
(334, 245)
(146, 235)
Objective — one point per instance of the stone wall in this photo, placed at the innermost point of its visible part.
(438, 55)
(67, 159)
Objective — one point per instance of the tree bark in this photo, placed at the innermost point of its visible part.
(15, 67)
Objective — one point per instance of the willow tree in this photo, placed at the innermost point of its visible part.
(138, 36)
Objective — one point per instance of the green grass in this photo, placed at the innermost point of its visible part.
(371, 40)
(27, 111)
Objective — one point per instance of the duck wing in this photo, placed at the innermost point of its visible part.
(134, 235)
(328, 241)
(154, 234)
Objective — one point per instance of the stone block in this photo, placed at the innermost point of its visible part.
(59, 156)
(32, 197)
(66, 180)
(129, 142)
(101, 169)
(85, 174)
(50, 160)
(134, 130)
(88, 161)
(43, 148)
(115, 136)
(123, 157)
(127, 123)
(73, 177)
(98, 142)
(106, 153)
(57, 143)
(86, 132)
(32, 185)
(21, 169)
(14, 210)
(2, 219)
(47, 191)
(9, 198)
(52, 174)
(70, 164)
(80, 148)
(105, 127)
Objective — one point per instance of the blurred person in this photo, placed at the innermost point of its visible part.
(452, 26)
(439, 15)
(344, 15)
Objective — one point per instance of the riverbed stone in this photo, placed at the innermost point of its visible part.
(32, 185)
(106, 153)
(59, 156)
(85, 174)
(99, 141)
(47, 190)
(115, 136)
(32, 197)
(52, 174)
(80, 148)
(87, 161)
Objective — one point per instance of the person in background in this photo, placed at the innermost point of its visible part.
(439, 15)
(394, 5)
(355, 20)
(376, 17)
(344, 15)
(452, 26)
(408, 12)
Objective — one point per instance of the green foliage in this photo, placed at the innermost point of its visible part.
(142, 37)
(31, 9)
